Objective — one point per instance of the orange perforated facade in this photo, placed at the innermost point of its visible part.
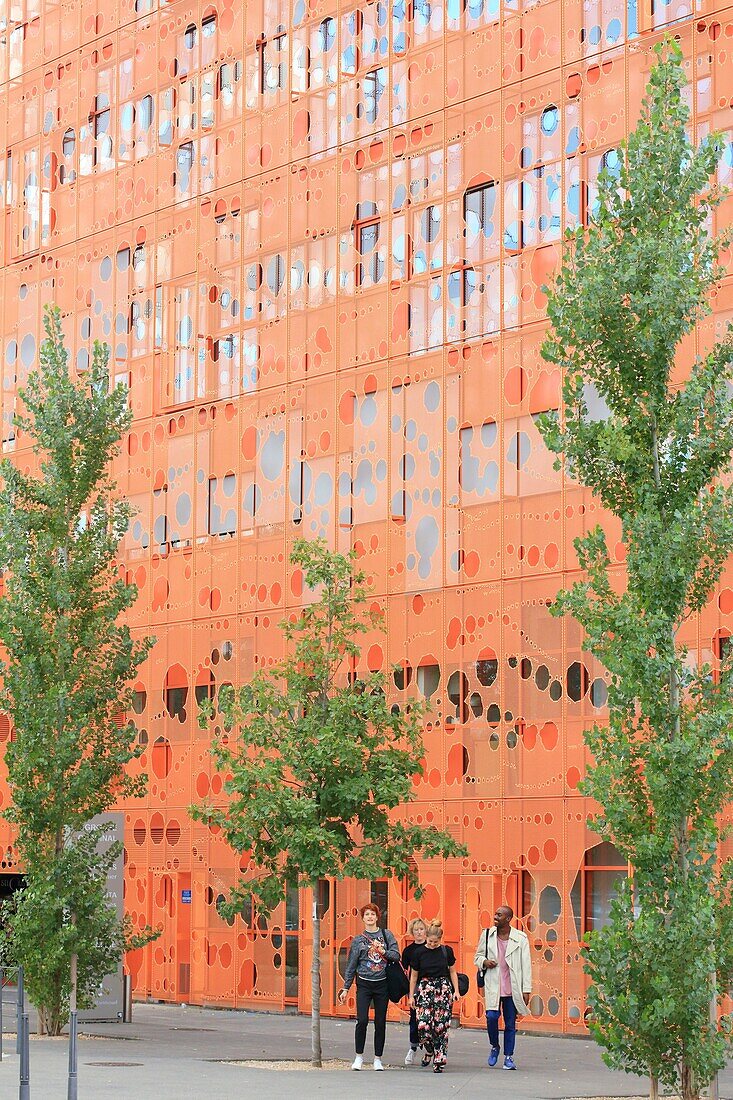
(315, 238)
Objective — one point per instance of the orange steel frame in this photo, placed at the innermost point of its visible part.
(193, 184)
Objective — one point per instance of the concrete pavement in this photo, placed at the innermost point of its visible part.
(172, 1052)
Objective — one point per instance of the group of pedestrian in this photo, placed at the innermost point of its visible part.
(504, 973)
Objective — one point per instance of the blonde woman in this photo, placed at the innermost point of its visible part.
(416, 928)
(433, 992)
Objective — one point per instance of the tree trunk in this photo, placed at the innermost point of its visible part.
(689, 1087)
(50, 1020)
(51, 1015)
(713, 1092)
(653, 1088)
(688, 1084)
(316, 984)
(72, 1091)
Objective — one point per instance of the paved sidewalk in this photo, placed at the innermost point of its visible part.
(172, 1053)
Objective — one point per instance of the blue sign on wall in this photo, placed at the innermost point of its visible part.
(185, 897)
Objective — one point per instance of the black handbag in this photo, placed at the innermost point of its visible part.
(463, 983)
(398, 984)
(481, 974)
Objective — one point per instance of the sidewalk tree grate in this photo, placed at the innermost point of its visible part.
(286, 1065)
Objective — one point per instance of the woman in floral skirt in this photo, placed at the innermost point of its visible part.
(433, 992)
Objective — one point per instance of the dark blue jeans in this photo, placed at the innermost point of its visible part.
(508, 1010)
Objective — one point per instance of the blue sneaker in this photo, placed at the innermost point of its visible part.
(493, 1056)
(508, 1062)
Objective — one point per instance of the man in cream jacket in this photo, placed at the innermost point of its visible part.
(503, 957)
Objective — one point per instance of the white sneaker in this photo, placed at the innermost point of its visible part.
(358, 1062)
(378, 1063)
(410, 1057)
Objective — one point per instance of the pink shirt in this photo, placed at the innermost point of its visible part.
(505, 978)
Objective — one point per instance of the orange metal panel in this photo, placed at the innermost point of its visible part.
(316, 239)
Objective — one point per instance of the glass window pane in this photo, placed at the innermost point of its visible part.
(368, 237)
(575, 904)
(175, 702)
(324, 897)
(528, 893)
(428, 680)
(291, 968)
(601, 886)
(605, 855)
(379, 895)
(245, 911)
(292, 909)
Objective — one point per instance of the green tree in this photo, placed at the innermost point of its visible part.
(67, 664)
(320, 760)
(656, 454)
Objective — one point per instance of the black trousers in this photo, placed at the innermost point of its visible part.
(414, 1034)
(368, 993)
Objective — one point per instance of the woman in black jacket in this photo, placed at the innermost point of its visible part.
(370, 952)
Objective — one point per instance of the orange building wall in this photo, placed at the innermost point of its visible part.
(191, 183)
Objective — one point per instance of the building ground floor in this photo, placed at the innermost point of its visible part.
(540, 858)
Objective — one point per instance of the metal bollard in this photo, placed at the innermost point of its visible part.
(72, 1092)
(24, 1090)
(19, 1009)
(127, 999)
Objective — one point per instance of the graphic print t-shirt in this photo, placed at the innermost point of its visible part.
(374, 964)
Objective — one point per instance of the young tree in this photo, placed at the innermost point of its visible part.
(320, 759)
(655, 452)
(68, 662)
